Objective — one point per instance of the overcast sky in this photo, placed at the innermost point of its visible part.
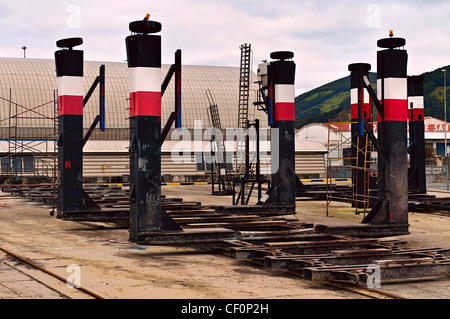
(325, 36)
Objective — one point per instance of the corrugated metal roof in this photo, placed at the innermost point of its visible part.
(32, 83)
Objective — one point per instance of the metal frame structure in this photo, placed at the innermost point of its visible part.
(363, 183)
(277, 89)
(69, 71)
(144, 64)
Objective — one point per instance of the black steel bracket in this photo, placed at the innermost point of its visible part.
(100, 79)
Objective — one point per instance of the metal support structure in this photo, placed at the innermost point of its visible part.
(249, 178)
(361, 111)
(144, 65)
(417, 171)
(100, 118)
(389, 215)
(175, 116)
(69, 72)
(392, 206)
(219, 159)
(280, 79)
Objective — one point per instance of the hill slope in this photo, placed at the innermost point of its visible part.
(332, 101)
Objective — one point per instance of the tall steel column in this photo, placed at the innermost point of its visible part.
(417, 173)
(360, 110)
(392, 133)
(144, 66)
(282, 78)
(69, 72)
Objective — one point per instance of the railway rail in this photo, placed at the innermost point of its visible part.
(86, 292)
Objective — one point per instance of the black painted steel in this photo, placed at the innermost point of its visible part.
(283, 138)
(392, 207)
(70, 163)
(146, 214)
(361, 158)
(70, 140)
(417, 171)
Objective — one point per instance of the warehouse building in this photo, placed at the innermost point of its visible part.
(28, 120)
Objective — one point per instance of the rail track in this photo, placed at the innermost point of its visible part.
(24, 261)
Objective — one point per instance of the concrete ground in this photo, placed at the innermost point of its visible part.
(113, 267)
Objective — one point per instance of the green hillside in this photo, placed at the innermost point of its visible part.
(332, 101)
(433, 91)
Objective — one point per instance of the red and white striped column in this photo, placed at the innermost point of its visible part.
(70, 95)
(69, 72)
(282, 77)
(392, 92)
(145, 90)
(394, 96)
(284, 102)
(144, 67)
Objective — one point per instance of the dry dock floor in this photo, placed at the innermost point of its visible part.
(113, 267)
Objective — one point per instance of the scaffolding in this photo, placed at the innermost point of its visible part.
(29, 152)
(342, 165)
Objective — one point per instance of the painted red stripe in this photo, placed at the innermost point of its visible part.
(284, 111)
(416, 115)
(395, 110)
(70, 105)
(354, 111)
(145, 103)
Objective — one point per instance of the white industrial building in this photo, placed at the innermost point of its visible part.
(337, 135)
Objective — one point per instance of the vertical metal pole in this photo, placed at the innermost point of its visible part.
(247, 151)
(178, 88)
(144, 66)
(445, 113)
(417, 170)
(445, 123)
(10, 158)
(446, 169)
(102, 97)
(258, 159)
(69, 72)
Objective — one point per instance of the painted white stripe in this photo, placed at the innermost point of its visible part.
(70, 85)
(145, 79)
(354, 96)
(417, 102)
(394, 88)
(284, 93)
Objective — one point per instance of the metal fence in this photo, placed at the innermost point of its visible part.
(438, 177)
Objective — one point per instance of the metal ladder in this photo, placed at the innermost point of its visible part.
(220, 144)
(244, 86)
